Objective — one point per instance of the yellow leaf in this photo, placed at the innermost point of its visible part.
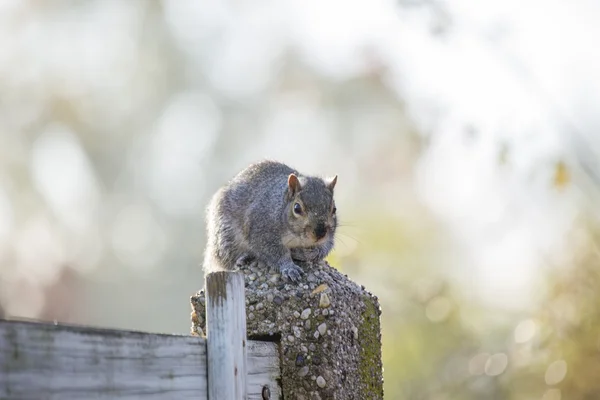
(562, 177)
(320, 288)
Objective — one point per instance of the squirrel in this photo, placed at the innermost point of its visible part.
(272, 216)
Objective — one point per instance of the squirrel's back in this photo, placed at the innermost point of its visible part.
(262, 184)
(259, 186)
(262, 170)
(261, 178)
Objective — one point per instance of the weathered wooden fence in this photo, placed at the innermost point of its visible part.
(319, 339)
(47, 361)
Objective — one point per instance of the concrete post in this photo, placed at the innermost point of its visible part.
(327, 327)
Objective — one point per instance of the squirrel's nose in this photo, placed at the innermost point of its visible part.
(320, 231)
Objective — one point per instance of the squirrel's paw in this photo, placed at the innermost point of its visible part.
(291, 272)
(245, 260)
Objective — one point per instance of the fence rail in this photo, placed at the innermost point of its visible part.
(47, 361)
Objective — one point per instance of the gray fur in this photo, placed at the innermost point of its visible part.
(252, 220)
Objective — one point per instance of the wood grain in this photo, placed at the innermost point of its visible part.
(226, 335)
(47, 361)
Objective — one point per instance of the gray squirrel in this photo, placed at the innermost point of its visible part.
(272, 216)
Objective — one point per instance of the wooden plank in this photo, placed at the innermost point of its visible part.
(47, 361)
(226, 336)
(264, 369)
(57, 362)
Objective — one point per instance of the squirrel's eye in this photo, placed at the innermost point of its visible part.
(297, 208)
(333, 210)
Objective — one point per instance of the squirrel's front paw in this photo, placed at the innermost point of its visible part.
(291, 272)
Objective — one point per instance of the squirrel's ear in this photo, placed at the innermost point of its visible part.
(294, 184)
(331, 183)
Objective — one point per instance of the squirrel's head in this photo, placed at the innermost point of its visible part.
(311, 209)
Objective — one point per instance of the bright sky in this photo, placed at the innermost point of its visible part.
(513, 70)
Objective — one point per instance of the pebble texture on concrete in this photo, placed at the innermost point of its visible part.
(328, 328)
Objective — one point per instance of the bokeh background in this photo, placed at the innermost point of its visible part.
(465, 136)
